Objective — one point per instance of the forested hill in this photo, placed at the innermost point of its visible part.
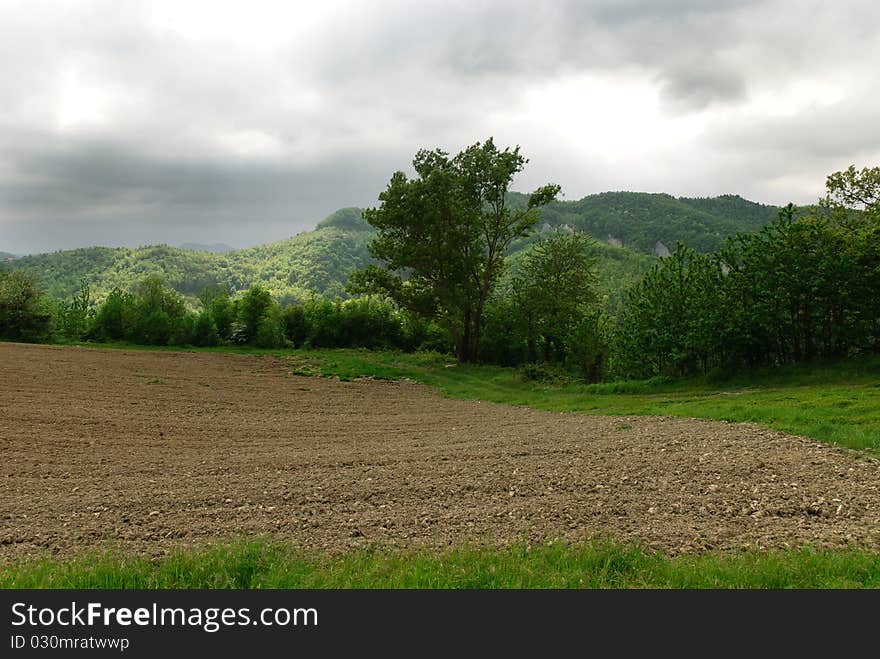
(318, 260)
(321, 260)
(640, 220)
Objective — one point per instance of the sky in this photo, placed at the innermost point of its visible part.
(127, 123)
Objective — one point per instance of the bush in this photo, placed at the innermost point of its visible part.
(153, 315)
(114, 318)
(504, 339)
(545, 372)
(424, 335)
(205, 330)
(295, 324)
(160, 315)
(72, 318)
(270, 329)
(250, 311)
(25, 313)
(369, 322)
(322, 323)
(587, 346)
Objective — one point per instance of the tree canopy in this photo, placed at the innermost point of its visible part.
(442, 236)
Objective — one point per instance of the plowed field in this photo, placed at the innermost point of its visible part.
(145, 451)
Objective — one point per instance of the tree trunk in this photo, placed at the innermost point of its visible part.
(475, 333)
(457, 342)
(464, 352)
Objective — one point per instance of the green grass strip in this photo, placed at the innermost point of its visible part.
(265, 564)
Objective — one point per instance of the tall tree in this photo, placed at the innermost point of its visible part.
(854, 189)
(442, 236)
(554, 289)
(673, 318)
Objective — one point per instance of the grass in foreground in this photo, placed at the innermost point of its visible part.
(833, 402)
(263, 564)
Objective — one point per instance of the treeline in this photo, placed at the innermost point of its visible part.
(155, 314)
(805, 286)
(801, 288)
(550, 313)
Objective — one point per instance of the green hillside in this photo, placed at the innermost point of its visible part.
(321, 260)
(318, 260)
(639, 219)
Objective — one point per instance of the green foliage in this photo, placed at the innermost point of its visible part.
(218, 304)
(853, 196)
(367, 322)
(317, 261)
(205, 330)
(270, 328)
(370, 322)
(296, 328)
(25, 313)
(442, 236)
(801, 288)
(114, 318)
(346, 219)
(505, 336)
(253, 310)
(639, 220)
(554, 289)
(671, 323)
(549, 309)
(156, 315)
(152, 315)
(545, 373)
(160, 316)
(588, 344)
(72, 318)
(314, 262)
(321, 261)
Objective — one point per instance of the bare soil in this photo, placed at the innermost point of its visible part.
(146, 451)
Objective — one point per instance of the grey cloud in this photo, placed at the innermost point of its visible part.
(344, 105)
(92, 188)
(697, 87)
(831, 133)
(678, 42)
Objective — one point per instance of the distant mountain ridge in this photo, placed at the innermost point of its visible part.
(317, 261)
(629, 226)
(217, 248)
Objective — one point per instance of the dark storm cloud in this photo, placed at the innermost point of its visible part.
(117, 126)
(70, 194)
(835, 133)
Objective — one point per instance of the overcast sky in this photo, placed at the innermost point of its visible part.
(128, 123)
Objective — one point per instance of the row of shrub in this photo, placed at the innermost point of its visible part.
(154, 314)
